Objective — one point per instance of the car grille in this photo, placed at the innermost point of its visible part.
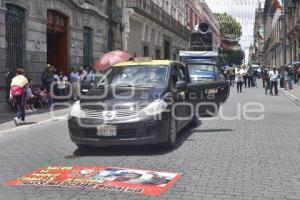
(120, 113)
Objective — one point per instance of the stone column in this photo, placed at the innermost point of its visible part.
(127, 12)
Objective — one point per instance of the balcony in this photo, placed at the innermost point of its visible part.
(150, 10)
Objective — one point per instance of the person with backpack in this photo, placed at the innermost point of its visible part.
(18, 92)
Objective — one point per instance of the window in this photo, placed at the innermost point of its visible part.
(177, 74)
(88, 59)
(90, 2)
(15, 37)
(15, 40)
(136, 76)
(157, 54)
(201, 72)
(146, 51)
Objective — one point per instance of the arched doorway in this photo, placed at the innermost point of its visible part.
(57, 37)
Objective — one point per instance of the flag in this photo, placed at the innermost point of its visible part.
(260, 33)
(279, 11)
(278, 4)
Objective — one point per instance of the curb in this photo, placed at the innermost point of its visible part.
(292, 98)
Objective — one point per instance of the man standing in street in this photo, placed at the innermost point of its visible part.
(74, 78)
(239, 81)
(273, 74)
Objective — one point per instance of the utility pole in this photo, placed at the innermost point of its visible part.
(285, 13)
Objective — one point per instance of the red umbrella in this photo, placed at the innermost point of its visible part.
(111, 58)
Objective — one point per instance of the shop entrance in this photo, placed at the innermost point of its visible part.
(57, 38)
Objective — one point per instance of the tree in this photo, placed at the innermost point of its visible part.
(230, 28)
(234, 57)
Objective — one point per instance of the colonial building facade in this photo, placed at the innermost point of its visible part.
(256, 51)
(273, 34)
(63, 33)
(293, 30)
(155, 28)
(274, 37)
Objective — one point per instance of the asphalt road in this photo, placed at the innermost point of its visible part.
(220, 159)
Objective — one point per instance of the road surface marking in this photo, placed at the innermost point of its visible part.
(61, 118)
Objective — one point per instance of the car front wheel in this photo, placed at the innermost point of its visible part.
(172, 135)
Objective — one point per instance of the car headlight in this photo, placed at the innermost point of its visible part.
(76, 110)
(154, 108)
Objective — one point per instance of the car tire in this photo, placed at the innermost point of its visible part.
(172, 135)
(195, 122)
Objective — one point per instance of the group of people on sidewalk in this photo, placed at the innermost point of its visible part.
(283, 77)
(24, 95)
(61, 85)
(272, 78)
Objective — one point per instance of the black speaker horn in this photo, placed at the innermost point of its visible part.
(204, 28)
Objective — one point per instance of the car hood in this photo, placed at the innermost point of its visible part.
(122, 95)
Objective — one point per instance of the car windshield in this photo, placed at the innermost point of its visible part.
(200, 72)
(135, 76)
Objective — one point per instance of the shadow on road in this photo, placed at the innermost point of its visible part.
(146, 150)
(28, 123)
(212, 130)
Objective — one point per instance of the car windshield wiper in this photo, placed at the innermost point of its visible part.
(122, 85)
(145, 86)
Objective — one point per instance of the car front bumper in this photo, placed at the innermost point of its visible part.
(136, 131)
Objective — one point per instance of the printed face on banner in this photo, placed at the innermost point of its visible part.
(105, 178)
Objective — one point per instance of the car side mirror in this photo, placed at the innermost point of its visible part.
(181, 85)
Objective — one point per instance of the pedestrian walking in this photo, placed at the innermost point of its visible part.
(74, 78)
(245, 76)
(291, 76)
(267, 79)
(239, 81)
(18, 88)
(250, 77)
(254, 78)
(273, 81)
(286, 78)
(232, 75)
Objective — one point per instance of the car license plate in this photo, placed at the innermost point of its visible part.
(106, 131)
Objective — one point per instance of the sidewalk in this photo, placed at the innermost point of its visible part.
(293, 95)
(32, 119)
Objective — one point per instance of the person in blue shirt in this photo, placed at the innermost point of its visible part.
(74, 78)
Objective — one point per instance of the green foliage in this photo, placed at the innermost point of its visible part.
(230, 28)
(234, 57)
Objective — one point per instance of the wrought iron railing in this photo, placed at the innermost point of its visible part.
(154, 12)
